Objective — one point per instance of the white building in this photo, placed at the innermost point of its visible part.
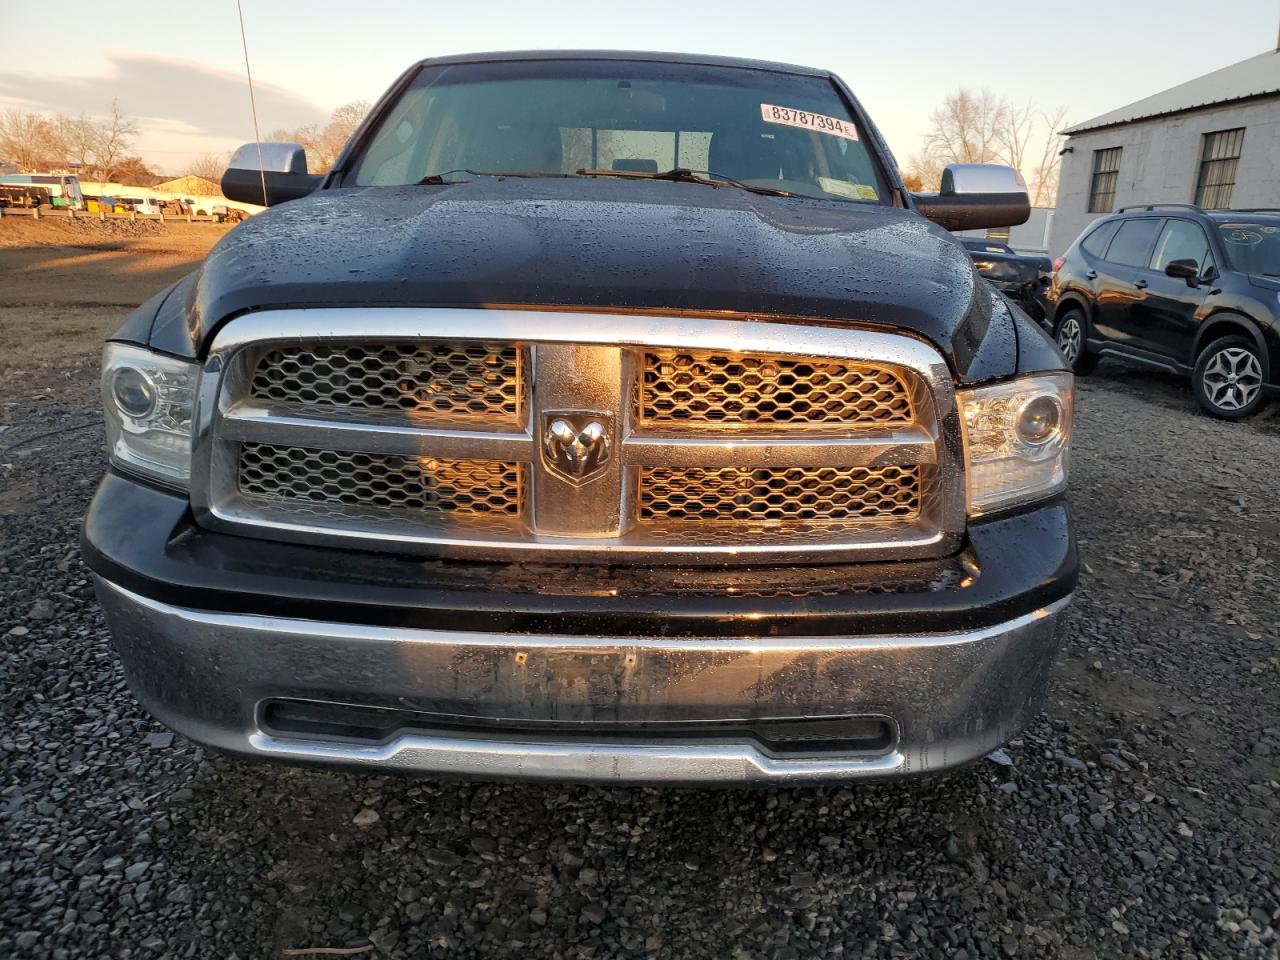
(1029, 238)
(1214, 141)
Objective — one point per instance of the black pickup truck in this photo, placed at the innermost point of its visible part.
(598, 416)
(1023, 278)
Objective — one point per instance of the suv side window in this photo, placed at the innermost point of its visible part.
(1182, 240)
(1095, 244)
(1132, 245)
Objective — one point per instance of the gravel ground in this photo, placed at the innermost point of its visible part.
(1136, 818)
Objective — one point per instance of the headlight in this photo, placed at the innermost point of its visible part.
(147, 400)
(1016, 436)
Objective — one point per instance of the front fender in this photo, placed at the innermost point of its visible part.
(1071, 298)
(136, 327)
(1216, 325)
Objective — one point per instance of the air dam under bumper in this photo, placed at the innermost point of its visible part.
(609, 708)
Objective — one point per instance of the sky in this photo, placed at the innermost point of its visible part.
(179, 68)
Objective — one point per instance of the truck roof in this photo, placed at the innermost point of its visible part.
(643, 56)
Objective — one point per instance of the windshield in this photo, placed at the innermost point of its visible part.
(1252, 246)
(778, 131)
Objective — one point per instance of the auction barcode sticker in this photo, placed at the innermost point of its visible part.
(790, 117)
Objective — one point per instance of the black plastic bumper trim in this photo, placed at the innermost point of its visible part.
(145, 540)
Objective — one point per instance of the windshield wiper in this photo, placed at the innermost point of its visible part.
(684, 175)
(438, 179)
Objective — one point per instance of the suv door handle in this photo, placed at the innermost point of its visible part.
(1091, 274)
(1140, 284)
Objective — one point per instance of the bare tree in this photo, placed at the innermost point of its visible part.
(1044, 178)
(984, 128)
(209, 166)
(926, 169)
(99, 148)
(1014, 133)
(308, 136)
(79, 139)
(115, 136)
(23, 139)
(324, 144)
(342, 124)
(966, 128)
(344, 119)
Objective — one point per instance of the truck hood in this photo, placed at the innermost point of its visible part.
(598, 243)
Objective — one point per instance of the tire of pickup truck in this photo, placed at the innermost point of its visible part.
(1069, 334)
(1227, 380)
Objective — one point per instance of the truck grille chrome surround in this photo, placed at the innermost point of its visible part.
(709, 440)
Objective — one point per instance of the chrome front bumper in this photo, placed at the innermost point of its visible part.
(582, 708)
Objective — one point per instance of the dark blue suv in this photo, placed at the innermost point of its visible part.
(1176, 287)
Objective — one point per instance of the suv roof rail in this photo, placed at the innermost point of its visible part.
(1160, 206)
(1250, 210)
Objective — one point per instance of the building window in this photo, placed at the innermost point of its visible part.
(1106, 170)
(1218, 160)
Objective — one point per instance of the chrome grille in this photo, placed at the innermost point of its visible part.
(426, 485)
(431, 432)
(780, 495)
(473, 383)
(701, 388)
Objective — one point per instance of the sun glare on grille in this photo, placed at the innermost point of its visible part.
(452, 382)
(778, 495)
(703, 389)
(429, 485)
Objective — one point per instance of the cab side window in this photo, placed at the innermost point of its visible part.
(1182, 240)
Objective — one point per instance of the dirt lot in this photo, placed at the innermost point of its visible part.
(1138, 817)
(66, 284)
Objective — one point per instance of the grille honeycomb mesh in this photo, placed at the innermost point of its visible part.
(794, 495)
(457, 381)
(433, 486)
(688, 395)
(693, 388)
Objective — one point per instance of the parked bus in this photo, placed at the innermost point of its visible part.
(20, 195)
(63, 188)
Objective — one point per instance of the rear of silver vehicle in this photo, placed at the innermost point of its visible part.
(734, 460)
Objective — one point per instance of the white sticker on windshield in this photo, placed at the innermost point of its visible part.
(790, 117)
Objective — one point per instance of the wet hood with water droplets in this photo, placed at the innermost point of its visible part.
(599, 243)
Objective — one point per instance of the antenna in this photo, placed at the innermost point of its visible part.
(253, 103)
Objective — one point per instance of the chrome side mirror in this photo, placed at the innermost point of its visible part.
(976, 195)
(280, 168)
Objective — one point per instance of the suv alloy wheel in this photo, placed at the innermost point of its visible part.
(1069, 335)
(1228, 378)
